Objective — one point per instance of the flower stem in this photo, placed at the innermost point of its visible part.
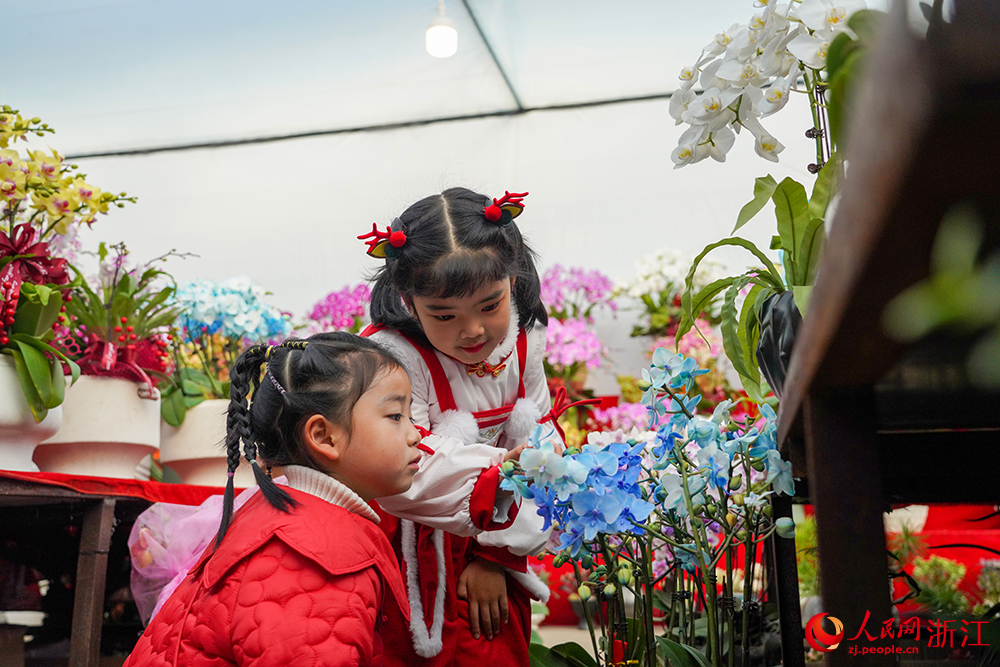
(586, 611)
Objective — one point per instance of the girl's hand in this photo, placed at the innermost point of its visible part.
(484, 585)
(515, 454)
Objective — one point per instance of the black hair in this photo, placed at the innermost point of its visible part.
(324, 374)
(452, 249)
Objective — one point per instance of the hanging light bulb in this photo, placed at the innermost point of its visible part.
(442, 37)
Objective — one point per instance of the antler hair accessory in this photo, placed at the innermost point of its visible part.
(505, 209)
(387, 243)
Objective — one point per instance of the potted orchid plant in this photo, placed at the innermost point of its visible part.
(345, 309)
(673, 515)
(43, 201)
(572, 297)
(748, 73)
(218, 321)
(117, 334)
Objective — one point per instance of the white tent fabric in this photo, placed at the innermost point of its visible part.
(138, 74)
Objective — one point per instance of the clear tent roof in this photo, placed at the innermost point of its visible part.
(142, 73)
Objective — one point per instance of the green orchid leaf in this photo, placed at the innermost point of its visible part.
(810, 250)
(730, 324)
(45, 348)
(749, 333)
(102, 251)
(771, 274)
(43, 292)
(31, 396)
(676, 654)
(801, 294)
(763, 188)
(791, 208)
(172, 407)
(698, 304)
(157, 300)
(826, 185)
(575, 654)
(38, 370)
(35, 318)
(866, 23)
(58, 384)
(543, 656)
(841, 47)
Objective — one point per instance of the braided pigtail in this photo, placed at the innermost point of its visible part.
(239, 425)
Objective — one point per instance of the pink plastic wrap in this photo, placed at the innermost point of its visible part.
(165, 543)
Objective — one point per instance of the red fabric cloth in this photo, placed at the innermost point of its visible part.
(510, 647)
(157, 492)
(279, 592)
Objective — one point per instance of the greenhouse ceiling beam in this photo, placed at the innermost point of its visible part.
(496, 61)
(226, 143)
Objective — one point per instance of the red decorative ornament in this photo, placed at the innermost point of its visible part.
(31, 263)
(384, 244)
(511, 202)
(397, 239)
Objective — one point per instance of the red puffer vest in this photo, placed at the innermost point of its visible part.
(303, 588)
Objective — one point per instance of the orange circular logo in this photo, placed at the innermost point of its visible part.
(821, 640)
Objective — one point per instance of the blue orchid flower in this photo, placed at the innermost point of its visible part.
(685, 375)
(716, 466)
(595, 512)
(779, 474)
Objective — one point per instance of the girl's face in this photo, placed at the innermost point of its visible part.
(467, 328)
(381, 456)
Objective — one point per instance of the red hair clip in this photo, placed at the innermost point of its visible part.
(505, 209)
(387, 243)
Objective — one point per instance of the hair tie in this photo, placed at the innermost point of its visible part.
(387, 243)
(274, 381)
(231, 473)
(502, 211)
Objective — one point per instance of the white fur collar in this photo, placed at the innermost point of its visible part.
(509, 340)
(321, 485)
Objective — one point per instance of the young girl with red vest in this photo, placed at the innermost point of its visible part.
(457, 300)
(301, 574)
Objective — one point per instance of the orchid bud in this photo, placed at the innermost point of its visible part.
(736, 482)
(738, 499)
(507, 468)
(731, 519)
(584, 592)
(587, 561)
(697, 508)
(742, 535)
(784, 527)
(610, 590)
(768, 510)
(710, 509)
(624, 576)
(559, 561)
(36, 120)
(758, 465)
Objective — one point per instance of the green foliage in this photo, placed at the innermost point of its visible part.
(907, 545)
(807, 557)
(146, 308)
(801, 235)
(846, 58)
(39, 366)
(939, 579)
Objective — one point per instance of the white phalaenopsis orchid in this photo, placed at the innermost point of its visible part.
(749, 72)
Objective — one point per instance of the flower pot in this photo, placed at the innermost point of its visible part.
(107, 429)
(19, 432)
(196, 450)
(779, 322)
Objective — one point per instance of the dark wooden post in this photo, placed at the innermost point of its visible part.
(91, 574)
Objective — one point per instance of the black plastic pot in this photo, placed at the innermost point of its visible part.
(779, 322)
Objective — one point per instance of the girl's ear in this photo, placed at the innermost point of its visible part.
(324, 440)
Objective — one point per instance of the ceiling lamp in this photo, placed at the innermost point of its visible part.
(442, 37)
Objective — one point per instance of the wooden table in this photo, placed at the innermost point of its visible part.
(104, 504)
(864, 419)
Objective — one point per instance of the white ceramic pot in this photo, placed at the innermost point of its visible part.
(19, 432)
(107, 429)
(196, 450)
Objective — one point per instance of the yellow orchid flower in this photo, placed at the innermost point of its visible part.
(11, 181)
(45, 166)
(8, 124)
